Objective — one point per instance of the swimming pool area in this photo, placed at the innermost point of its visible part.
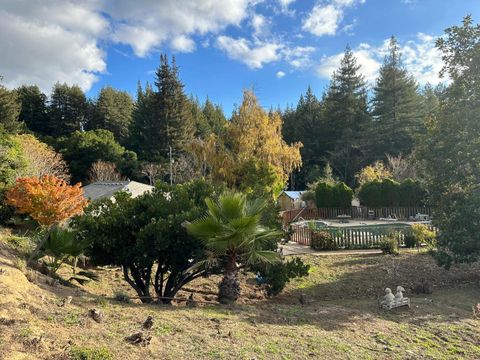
(354, 233)
(353, 223)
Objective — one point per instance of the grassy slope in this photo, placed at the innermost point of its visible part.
(341, 319)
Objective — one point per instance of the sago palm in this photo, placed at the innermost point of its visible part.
(233, 235)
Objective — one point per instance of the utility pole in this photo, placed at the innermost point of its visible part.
(171, 165)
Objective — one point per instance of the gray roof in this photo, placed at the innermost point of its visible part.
(106, 189)
(294, 195)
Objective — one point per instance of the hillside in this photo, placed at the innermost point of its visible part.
(340, 320)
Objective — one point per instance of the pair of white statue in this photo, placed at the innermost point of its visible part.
(391, 301)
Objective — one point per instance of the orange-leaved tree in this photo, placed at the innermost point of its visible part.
(47, 200)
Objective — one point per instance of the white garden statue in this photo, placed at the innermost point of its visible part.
(391, 301)
(388, 299)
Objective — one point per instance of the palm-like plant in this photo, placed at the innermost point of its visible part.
(233, 235)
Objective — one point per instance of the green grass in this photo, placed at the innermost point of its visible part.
(340, 321)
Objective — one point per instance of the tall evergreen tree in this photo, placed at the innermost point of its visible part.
(306, 124)
(215, 117)
(162, 118)
(67, 110)
(202, 127)
(33, 110)
(397, 108)
(142, 122)
(346, 113)
(174, 125)
(112, 111)
(9, 110)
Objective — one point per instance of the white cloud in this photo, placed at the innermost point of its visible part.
(325, 18)
(280, 74)
(284, 4)
(254, 55)
(168, 19)
(299, 56)
(259, 24)
(423, 59)
(45, 42)
(57, 40)
(182, 43)
(419, 56)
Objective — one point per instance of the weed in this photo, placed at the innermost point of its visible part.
(88, 353)
(122, 297)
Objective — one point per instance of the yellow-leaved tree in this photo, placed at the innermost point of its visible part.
(376, 171)
(251, 155)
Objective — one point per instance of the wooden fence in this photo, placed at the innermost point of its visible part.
(355, 237)
(355, 212)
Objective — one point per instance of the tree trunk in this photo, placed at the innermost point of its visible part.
(229, 287)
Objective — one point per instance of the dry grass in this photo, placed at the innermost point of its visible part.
(340, 321)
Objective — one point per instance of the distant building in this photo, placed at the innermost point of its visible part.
(106, 189)
(289, 200)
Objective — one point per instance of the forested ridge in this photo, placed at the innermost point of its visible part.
(350, 125)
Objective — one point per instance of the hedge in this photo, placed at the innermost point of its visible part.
(391, 193)
(338, 195)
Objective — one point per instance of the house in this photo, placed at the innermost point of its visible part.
(289, 200)
(106, 189)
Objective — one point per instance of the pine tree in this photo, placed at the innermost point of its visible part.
(397, 108)
(67, 110)
(346, 116)
(215, 117)
(112, 111)
(34, 108)
(9, 110)
(142, 124)
(306, 124)
(174, 125)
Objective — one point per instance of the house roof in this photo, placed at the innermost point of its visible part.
(294, 195)
(106, 189)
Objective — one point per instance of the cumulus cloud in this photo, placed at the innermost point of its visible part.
(419, 56)
(182, 43)
(254, 55)
(299, 56)
(58, 40)
(168, 19)
(326, 17)
(54, 40)
(280, 74)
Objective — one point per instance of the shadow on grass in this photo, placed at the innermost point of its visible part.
(342, 289)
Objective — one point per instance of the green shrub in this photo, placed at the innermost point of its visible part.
(410, 241)
(328, 195)
(276, 276)
(423, 235)
(342, 195)
(86, 353)
(322, 240)
(60, 245)
(324, 195)
(122, 297)
(389, 246)
(411, 193)
(391, 193)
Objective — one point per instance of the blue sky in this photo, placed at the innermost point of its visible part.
(278, 47)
